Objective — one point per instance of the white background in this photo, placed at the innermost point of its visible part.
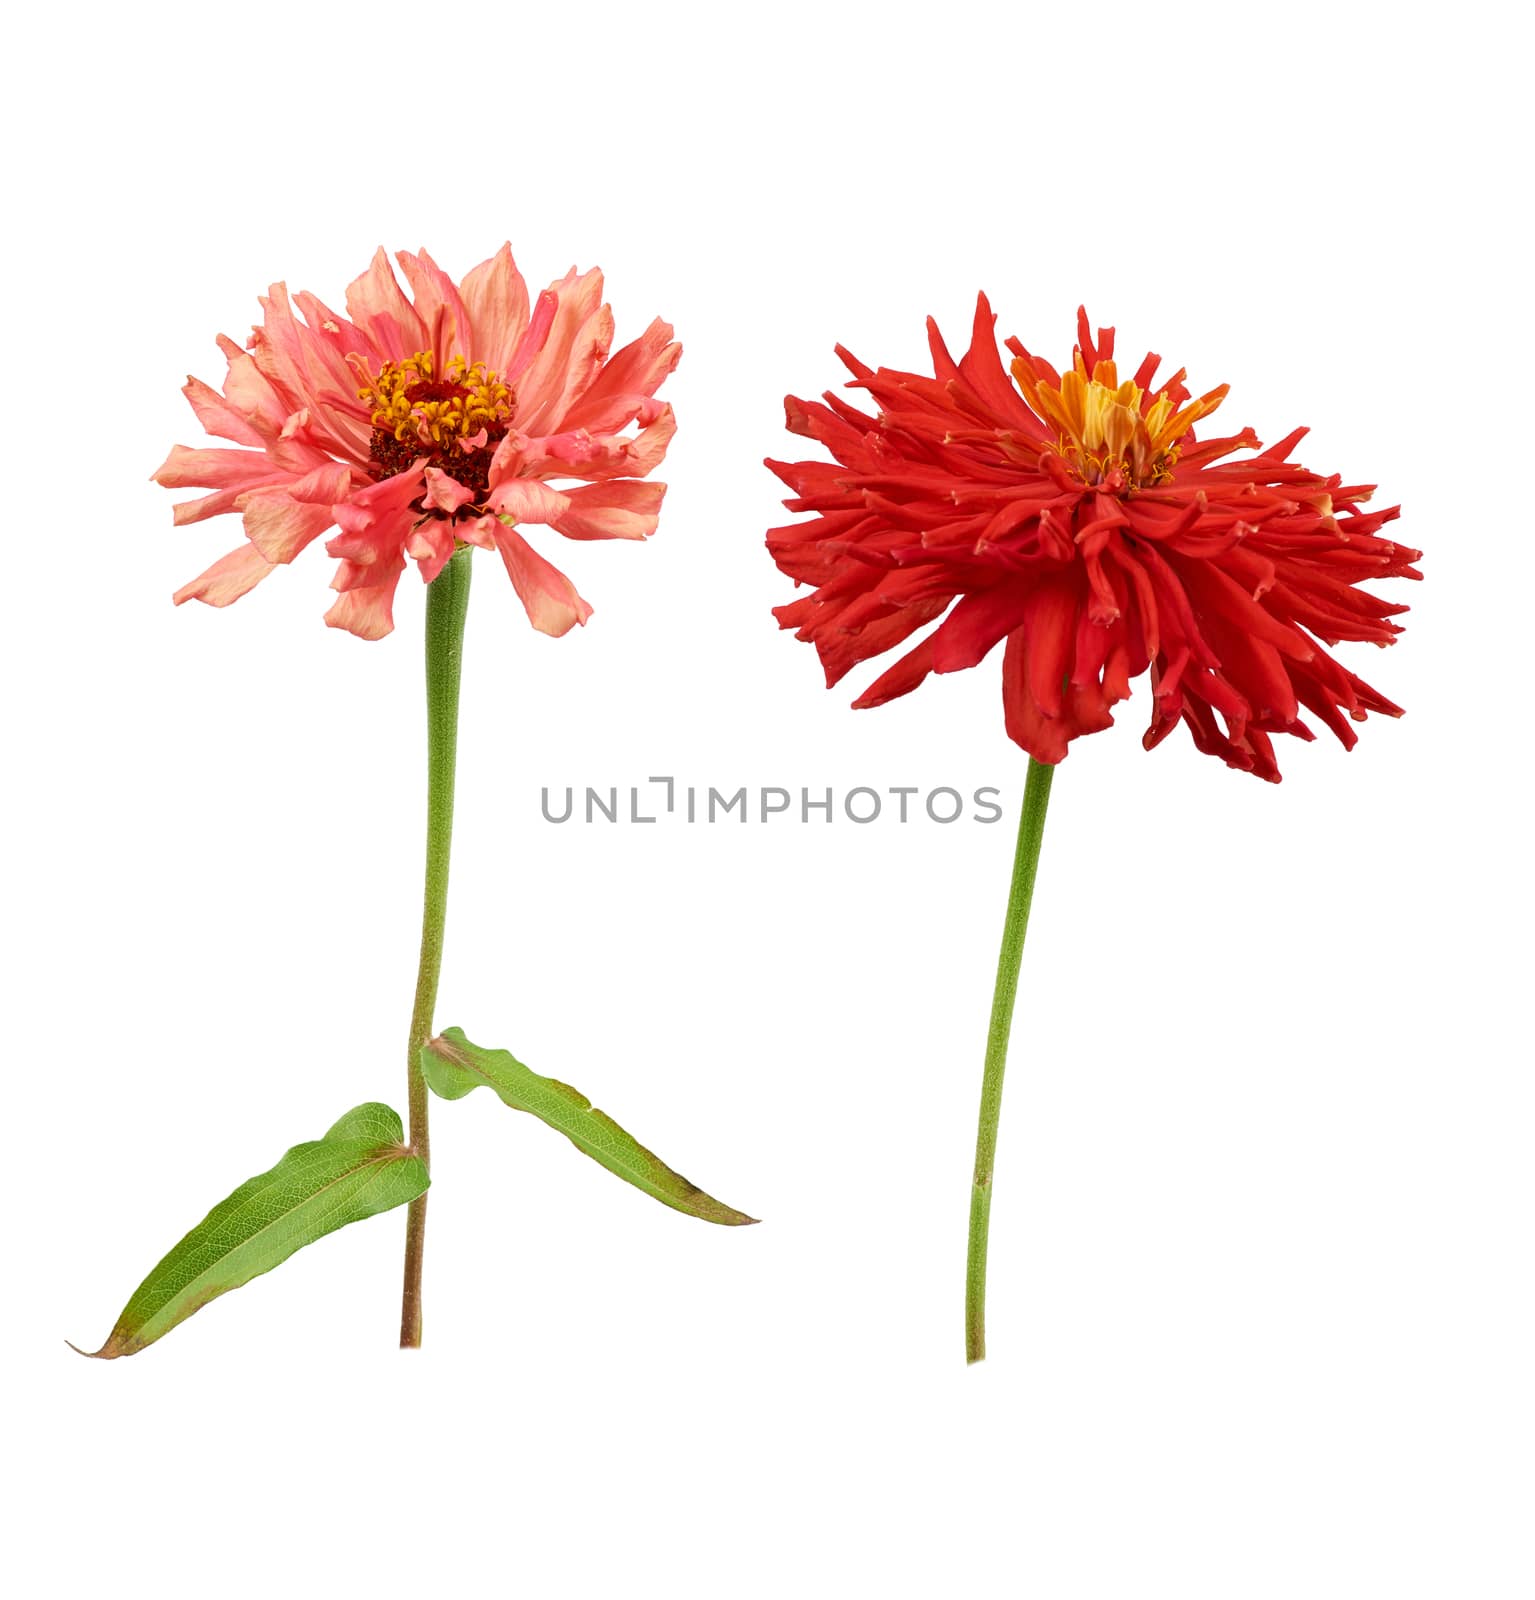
(1261, 1311)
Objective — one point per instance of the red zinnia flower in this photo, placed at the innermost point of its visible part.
(418, 426)
(1076, 517)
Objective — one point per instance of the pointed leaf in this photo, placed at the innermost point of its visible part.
(359, 1168)
(453, 1067)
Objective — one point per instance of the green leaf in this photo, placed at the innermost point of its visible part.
(359, 1168)
(453, 1067)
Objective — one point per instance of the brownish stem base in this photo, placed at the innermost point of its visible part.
(415, 1255)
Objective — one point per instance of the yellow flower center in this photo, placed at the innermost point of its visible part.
(416, 407)
(1104, 430)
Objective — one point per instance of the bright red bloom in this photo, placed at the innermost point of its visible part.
(418, 425)
(1077, 518)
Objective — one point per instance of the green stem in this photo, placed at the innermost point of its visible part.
(447, 602)
(1031, 833)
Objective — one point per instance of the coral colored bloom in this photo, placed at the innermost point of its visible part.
(1076, 517)
(416, 423)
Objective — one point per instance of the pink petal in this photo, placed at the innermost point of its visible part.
(367, 609)
(527, 500)
(356, 575)
(210, 505)
(217, 415)
(438, 305)
(230, 472)
(570, 356)
(280, 526)
(496, 299)
(331, 329)
(374, 521)
(325, 485)
(368, 613)
(654, 438)
(549, 597)
(446, 493)
(621, 510)
(227, 579)
(331, 339)
(579, 454)
(429, 545)
(184, 468)
(377, 304)
(479, 531)
(309, 373)
(629, 378)
(249, 394)
(564, 454)
(506, 461)
(534, 335)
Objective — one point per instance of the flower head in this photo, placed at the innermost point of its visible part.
(1076, 516)
(417, 423)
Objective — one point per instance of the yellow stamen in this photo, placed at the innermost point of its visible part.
(419, 408)
(1102, 430)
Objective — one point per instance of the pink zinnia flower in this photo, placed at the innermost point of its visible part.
(420, 422)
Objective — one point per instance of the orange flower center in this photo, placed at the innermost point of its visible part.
(456, 419)
(1111, 434)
